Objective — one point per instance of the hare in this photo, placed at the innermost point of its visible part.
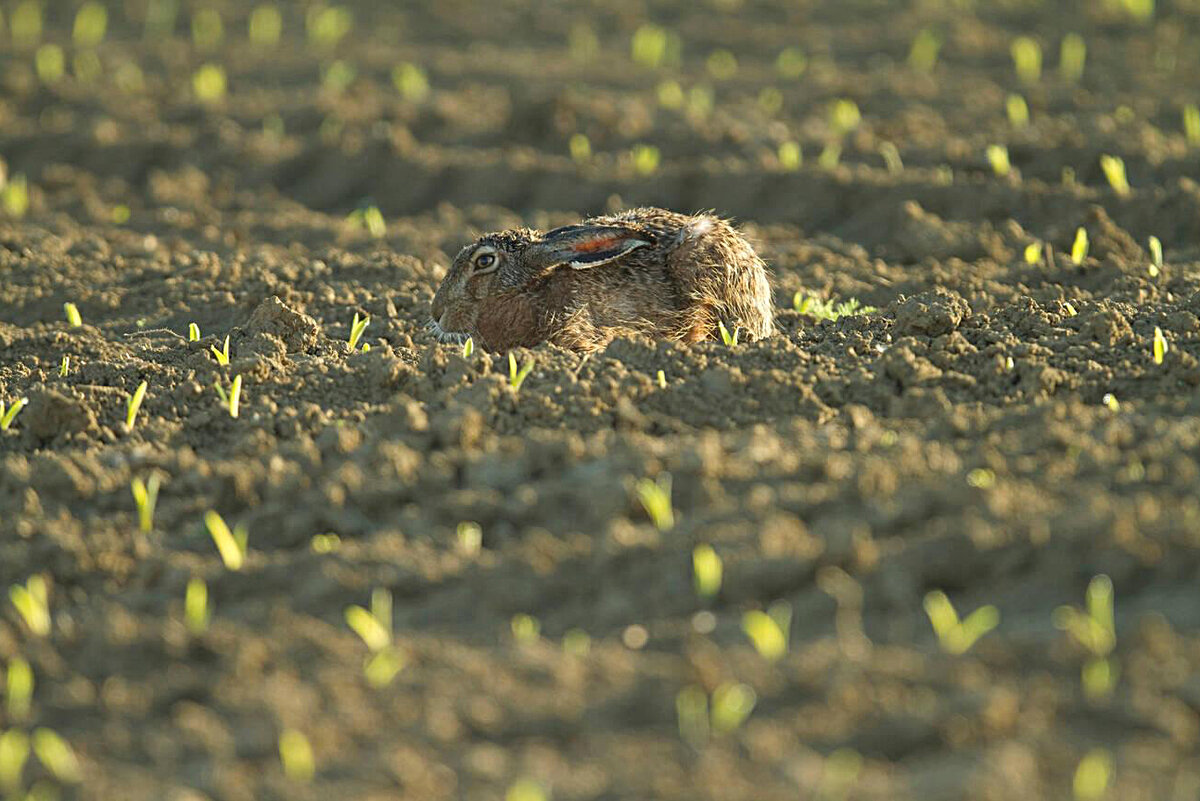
(644, 270)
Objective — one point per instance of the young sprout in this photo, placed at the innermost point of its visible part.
(1156, 256)
(1071, 57)
(296, 756)
(517, 377)
(791, 156)
(49, 63)
(830, 156)
(661, 378)
(891, 157)
(72, 313)
(828, 309)
(53, 752)
(923, 55)
(14, 196)
(232, 545)
(207, 29)
(1095, 630)
(525, 628)
(645, 159)
(32, 601)
(26, 24)
(328, 25)
(160, 19)
(1092, 775)
(840, 773)
(193, 332)
(526, 790)
(722, 65)
(957, 636)
(648, 46)
(196, 611)
(325, 543)
(232, 401)
(1160, 345)
(1111, 402)
(469, 538)
(577, 642)
(729, 339)
(7, 417)
(91, 22)
(337, 76)
(1079, 248)
(580, 147)
(145, 495)
(769, 631)
(844, 116)
(707, 571)
(1033, 253)
(65, 366)
(223, 354)
(133, 404)
(670, 95)
(731, 705)
(357, 327)
(1191, 124)
(18, 689)
(997, 156)
(655, 497)
(582, 42)
(1114, 171)
(770, 100)
(14, 752)
(1017, 110)
(209, 83)
(374, 627)
(791, 63)
(1027, 59)
(700, 101)
(266, 26)
(691, 707)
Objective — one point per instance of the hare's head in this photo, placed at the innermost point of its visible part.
(511, 263)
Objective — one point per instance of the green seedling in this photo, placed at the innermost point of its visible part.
(193, 332)
(1140, 10)
(374, 627)
(891, 158)
(18, 689)
(517, 377)
(296, 756)
(1160, 346)
(957, 636)
(232, 545)
(691, 707)
(74, 320)
(26, 24)
(14, 196)
(222, 354)
(791, 63)
(923, 55)
(1017, 110)
(580, 148)
(468, 348)
(831, 156)
(770, 100)
(645, 159)
(232, 400)
(525, 628)
(769, 631)
(53, 752)
(145, 495)
(655, 497)
(338, 76)
(1079, 248)
(731, 704)
(265, 26)
(577, 642)
(470, 538)
(1027, 59)
(370, 219)
(707, 571)
(700, 101)
(839, 774)
(91, 23)
(1092, 775)
(670, 95)
(328, 25)
(829, 309)
(14, 753)
(209, 83)
(50, 63)
(196, 611)
(1156, 256)
(1033, 253)
(161, 16)
(1094, 629)
(1110, 402)
(526, 790)
(1114, 171)
(1072, 56)
(844, 116)
(1191, 124)
(722, 65)
(648, 46)
(791, 156)
(997, 156)
(411, 82)
(661, 378)
(357, 327)
(582, 43)
(87, 68)
(723, 713)
(8, 416)
(32, 602)
(134, 404)
(129, 78)
(325, 543)
(207, 29)
(729, 339)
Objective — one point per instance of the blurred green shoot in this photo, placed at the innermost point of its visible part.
(661, 378)
(207, 29)
(232, 545)
(829, 309)
(64, 368)
(839, 774)
(1191, 124)
(1114, 171)
(1141, 10)
(730, 339)
(691, 707)
(707, 571)
(830, 156)
(580, 148)
(145, 496)
(53, 752)
(1079, 248)
(722, 65)
(357, 326)
(957, 636)
(50, 63)
(1033, 253)
(265, 26)
(32, 601)
(1094, 629)
(770, 100)
(209, 83)
(582, 43)
(14, 752)
(997, 156)
(369, 218)
(337, 76)
(1160, 345)
(469, 537)
(129, 78)
(411, 82)
(468, 347)
(374, 628)
(193, 332)
(91, 23)
(769, 631)
(649, 46)
(1110, 402)
(18, 689)
(134, 404)
(1156, 256)
(576, 642)
(1092, 775)
(1072, 57)
(74, 320)
(1018, 111)
(791, 63)
(7, 416)
(645, 159)
(700, 101)
(517, 377)
(25, 24)
(791, 156)
(232, 400)
(160, 19)
(670, 95)
(222, 354)
(891, 157)
(325, 543)
(14, 196)
(525, 628)
(526, 790)
(844, 116)
(1027, 59)
(196, 611)
(328, 25)
(923, 55)
(698, 715)
(655, 497)
(296, 756)
(731, 704)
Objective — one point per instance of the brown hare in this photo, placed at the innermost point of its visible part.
(645, 270)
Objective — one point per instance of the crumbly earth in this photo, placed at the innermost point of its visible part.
(957, 438)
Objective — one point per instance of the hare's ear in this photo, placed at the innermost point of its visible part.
(583, 246)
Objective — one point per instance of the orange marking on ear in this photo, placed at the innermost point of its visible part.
(597, 244)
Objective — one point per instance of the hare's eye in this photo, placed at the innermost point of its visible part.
(485, 260)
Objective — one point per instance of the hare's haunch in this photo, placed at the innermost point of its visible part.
(644, 270)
